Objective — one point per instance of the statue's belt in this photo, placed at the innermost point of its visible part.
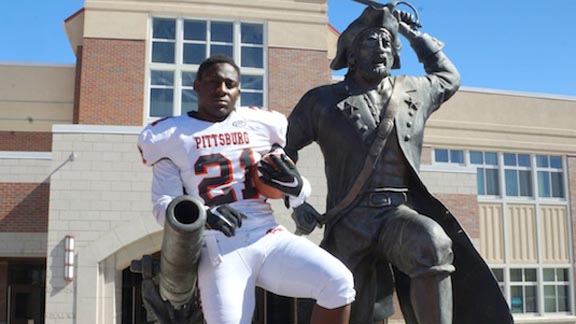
(380, 199)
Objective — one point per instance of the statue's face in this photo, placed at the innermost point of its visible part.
(374, 54)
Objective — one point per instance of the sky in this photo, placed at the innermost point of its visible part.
(510, 45)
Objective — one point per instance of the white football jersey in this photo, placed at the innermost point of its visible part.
(215, 159)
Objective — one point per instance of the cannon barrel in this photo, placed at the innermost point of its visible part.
(181, 245)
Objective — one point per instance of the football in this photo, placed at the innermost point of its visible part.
(264, 189)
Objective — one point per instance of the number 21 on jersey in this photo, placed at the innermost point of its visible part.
(226, 177)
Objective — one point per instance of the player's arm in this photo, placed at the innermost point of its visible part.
(166, 185)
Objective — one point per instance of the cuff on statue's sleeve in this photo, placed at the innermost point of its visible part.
(425, 46)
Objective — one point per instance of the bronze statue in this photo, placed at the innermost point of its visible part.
(381, 221)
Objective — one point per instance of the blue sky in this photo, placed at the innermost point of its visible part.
(527, 46)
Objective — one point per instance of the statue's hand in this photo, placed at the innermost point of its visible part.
(306, 219)
(224, 219)
(408, 25)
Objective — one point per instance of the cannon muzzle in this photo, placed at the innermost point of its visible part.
(181, 245)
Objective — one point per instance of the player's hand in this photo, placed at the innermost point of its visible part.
(224, 219)
(306, 219)
(279, 171)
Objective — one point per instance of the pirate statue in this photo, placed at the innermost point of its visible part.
(381, 221)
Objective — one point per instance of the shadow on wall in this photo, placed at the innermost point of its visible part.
(25, 207)
(57, 281)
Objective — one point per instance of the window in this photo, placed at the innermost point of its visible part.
(523, 284)
(449, 156)
(550, 176)
(517, 175)
(499, 275)
(488, 180)
(177, 48)
(164, 41)
(161, 93)
(556, 291)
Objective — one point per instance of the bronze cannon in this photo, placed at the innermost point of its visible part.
(169, 287)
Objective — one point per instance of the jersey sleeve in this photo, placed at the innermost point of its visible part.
(154, 141)
(166, 185)
(278, 132)
(269, 123)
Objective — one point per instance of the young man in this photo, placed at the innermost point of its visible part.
(211, 154)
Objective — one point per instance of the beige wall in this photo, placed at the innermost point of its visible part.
(287, 20)
(102, 199)
(332, 41)
(34, 97)
(23, 245)
(20, 167)
(492, 244)
(488, 119)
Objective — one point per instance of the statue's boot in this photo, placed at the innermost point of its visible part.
(431, 297)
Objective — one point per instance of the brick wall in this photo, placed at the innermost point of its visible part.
(456, 189)
(465, 209)
(24, 207)
(25, 141)
(111, 83)
(292, 73)
(426, 157)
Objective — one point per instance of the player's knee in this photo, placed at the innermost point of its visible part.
(337, 289)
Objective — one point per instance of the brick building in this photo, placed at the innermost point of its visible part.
(503, 162)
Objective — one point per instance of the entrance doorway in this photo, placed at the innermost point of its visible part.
(22, 281)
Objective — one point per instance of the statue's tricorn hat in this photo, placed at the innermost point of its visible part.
(371, 17)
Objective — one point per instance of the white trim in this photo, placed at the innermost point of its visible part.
(305, 48)
(518, 93)
(38, 64)
(447, 167)
(570, 233)
(97, 129)
(337, 78)
(25, 155)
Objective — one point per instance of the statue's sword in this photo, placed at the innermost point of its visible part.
(414, 22)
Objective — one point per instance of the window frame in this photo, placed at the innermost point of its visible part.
(549, 169)
(485, 166)
(525, 284)
(178, 67)
(556, 283)
(450, 153)
(518, 169)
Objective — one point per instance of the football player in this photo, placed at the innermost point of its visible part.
(211, 154)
